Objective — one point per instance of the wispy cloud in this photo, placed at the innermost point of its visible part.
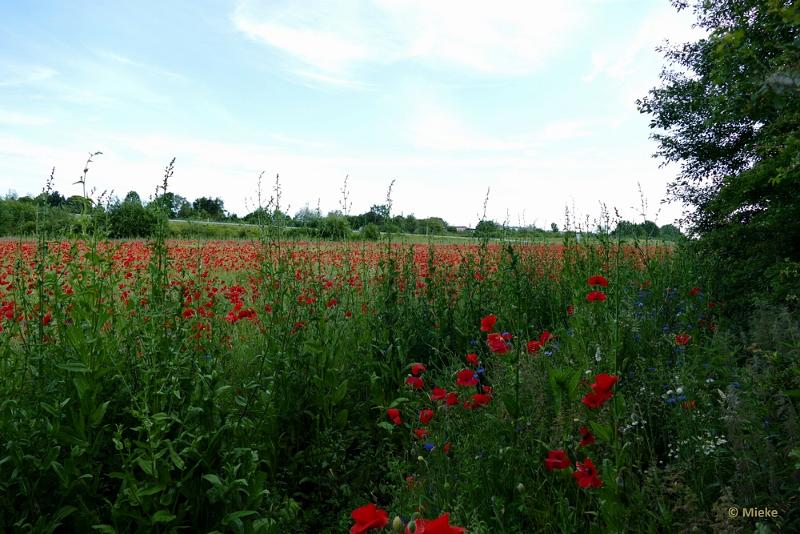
(19, 75)
(13, 118)
(505, 37)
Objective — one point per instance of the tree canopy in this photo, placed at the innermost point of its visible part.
(728, 112)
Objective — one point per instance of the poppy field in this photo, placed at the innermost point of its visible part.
(278, 386)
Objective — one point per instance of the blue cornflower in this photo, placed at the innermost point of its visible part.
(429, 446)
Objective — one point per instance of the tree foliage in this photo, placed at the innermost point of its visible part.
(728, 112)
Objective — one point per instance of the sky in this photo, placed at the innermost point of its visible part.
(531, 101)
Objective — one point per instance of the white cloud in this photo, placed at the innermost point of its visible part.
(15, 75)
(21, 119)
(507, 37)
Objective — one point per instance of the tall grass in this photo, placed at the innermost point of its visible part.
(243, 387)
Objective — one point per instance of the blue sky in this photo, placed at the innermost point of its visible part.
(533, 100)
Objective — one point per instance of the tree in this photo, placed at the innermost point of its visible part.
(553, 227)
(130, 219)
(133, 197)
(213, 208)
(728, 112)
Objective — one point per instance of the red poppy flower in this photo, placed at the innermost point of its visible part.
(596, 399)
(425, 416)
(601, 390)
(394, 415)
(420, 432)
(417, 369)
(595, 296)
(587, 438)
(586, 474)
(533, 346)
(496, 343)
(368, 517)
(556, 459)
(487, 323)
(682, 339)
(440, 525)
(46, 319)
(472, 359)
(438, 394)
(570, 310)
(446, 447)
(597, 280)
(604, 382)
(415, 382)
(544, 337)
(452, 398)
(331, 303)
(466, 378)
(188, 313)
(480, 399)
(694, 291)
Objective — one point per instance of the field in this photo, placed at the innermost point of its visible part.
(273, 386)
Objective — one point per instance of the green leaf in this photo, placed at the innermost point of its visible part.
(163, 516)
(389, 427)
(397, 402)
(339, 394)
(98, 414)
(174, 457)
(146, 466)
(214, 480)
(74, 367)
(601, 431)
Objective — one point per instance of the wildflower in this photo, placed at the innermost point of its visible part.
(586, 474)
(694, 291)
(497, 344)
(429, 447)
(420, 432)
(570, 310)
(425, 416)
(689, 404)
(480, 399)
(440, 525)
(587, 438)
(487, 323)
(452, 398)
(466, 378)
(368, 517)
(188, 313)
(597, 280)
(556, 459)
(682, 339)
(446, 447)
(46, 319)
(331, 303)
(601, 390)
(394, 415)
(472, 359)
(544, 337)
(415, 382)
(595, 296)
(417, 369)
(534, 346)
(438, 394)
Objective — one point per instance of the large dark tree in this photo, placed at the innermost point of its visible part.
(728, 112)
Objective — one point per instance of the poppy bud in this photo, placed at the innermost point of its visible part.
(520, 487)
(397, 524)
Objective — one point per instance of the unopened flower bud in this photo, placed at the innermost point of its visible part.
(397, 524)
(520, 487)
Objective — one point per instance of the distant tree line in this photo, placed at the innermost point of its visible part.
(133, 217)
